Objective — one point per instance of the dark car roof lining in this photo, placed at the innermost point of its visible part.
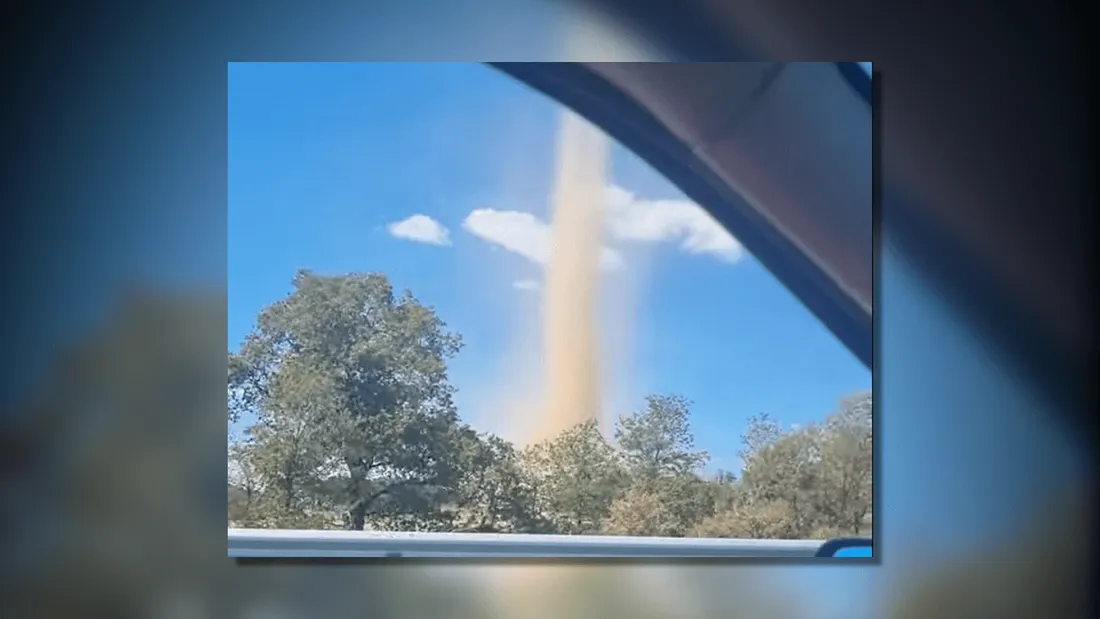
(857, 78)
(623, 118)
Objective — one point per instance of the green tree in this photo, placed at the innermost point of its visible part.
(496, 495)
(243, 492)
(643, 511)
(821, 475)
(579, 475)
(723, 490)
(751, 520)
(847, 465)
(788, 472)
(657, 447)
(657, 440)
(349, 385)
(762, 431)
(664, 506)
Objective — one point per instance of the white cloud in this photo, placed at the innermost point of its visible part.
(420, 229)
(527, 285)
(630, 218)
(523, 234)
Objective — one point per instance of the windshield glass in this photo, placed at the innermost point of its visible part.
(455, 307)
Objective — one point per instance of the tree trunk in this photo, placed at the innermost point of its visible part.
(357, 516)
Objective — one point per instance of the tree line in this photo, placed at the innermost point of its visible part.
(355, 427)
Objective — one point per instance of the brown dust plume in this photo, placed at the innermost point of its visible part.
(570, 318)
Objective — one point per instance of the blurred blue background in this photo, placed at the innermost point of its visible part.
(117, 506)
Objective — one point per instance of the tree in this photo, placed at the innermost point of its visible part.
(762, 431)
(643, 511)
(723, 490)
(579, 475)
(664, 506)
(657, 441)
(657, 448)
(752, 520)
(349, 385)
(243, 486)
(788, 472)
(820, 474)
(847, 465)
(497, 495)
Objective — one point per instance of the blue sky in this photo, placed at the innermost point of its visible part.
(327, 160)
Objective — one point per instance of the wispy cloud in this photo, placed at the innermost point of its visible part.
(524, 234)
(420, 229)
(527, 285)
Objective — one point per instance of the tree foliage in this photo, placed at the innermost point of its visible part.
(807, 482)
(497, 493)
(348, 383)
(354, 426)
(579, 476)
(657, 441)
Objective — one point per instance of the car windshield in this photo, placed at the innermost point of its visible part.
(456, 307)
